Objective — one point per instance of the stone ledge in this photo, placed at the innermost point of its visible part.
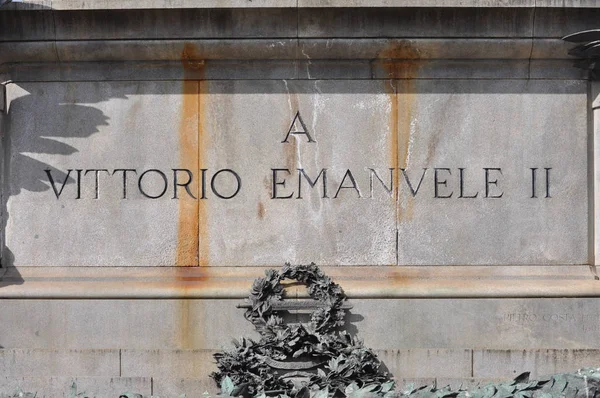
(358, 282)
(169, 4)
(190, 50)
(293, 70)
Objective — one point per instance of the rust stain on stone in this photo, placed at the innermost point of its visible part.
(190, 314)
(192, 62)
(203, 234)
(391, 89)
(187, 234)
(401, 60)
(193, 221)
(261, 210)
(192, 248)
(406, 105)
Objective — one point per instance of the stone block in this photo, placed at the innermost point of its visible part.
(556, 69)
(301, 191)
(510, 363)
(103, 324)
(278, 171)
(191, 387)
(509, 127)
(92, 126)
(427, 363)
(337, 69)
(414, 22)
(415, 3)
(383, 324)
(595, 173)
(177, 50)
(98, 387)
(177, 364)
(28, 51)
(417, 48)
(24, 363)
(492, 323)
(17, 25)
(166, 4)
(220, 23)
(557, 22)
(450, 69)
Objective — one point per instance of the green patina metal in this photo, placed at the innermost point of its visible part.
(321, 360)
(317, 356)
(587, 50)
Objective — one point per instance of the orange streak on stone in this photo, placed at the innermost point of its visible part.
(202, 216)
(402, 61)
(187, 241)
(391, 89)
(406, 104)
(189, 208)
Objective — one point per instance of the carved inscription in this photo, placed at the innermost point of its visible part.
(584, 322)
(285, 183)
(447, 183)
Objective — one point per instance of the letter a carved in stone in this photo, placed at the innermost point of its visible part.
(297, 128)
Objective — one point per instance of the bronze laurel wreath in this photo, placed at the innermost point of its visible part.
(320, 287)
(344, 360)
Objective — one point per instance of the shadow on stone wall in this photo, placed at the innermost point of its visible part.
(42, 136)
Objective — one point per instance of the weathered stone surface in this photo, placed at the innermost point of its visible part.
(595, 173)
(427, 363)
(349, 123)
(559, 22)
(75, 324)
(421, 48)
(29, 51)
(510, 125)
(383, 324)
(556, 69)
(98, 387)
(178, 50)
(451, 69)
(100, 126)
(18, 25)
(353, 132)
(191, 387)
(510, 363)
(162, 4)
(25, 363)
(493, 323)
(167, 364)
(166, 4)
(218, 23)
(415, 3)
(407, 22)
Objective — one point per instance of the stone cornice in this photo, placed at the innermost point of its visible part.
(191, 4)
(374, 282)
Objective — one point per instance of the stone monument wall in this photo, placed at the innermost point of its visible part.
(437, 159)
